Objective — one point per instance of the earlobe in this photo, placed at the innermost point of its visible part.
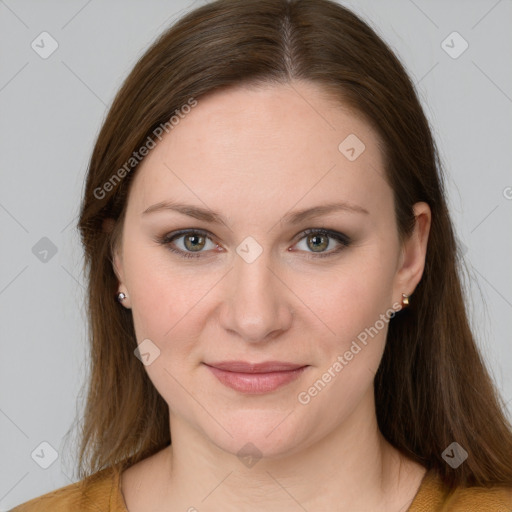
(109, 226)
(122, 293)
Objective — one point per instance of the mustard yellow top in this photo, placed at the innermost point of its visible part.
(101, 492)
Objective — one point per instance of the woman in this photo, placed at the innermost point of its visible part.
(273, 280)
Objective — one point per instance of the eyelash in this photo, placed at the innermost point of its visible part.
(167, 240)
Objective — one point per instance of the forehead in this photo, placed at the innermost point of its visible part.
(248, 147)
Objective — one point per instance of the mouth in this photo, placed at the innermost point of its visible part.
(255, 378)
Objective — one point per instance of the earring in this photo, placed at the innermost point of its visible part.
(121, 296)
(405, 300)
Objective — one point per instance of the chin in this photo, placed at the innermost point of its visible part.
(256, 433)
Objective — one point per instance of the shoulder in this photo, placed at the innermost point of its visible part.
(485, 499)
(434, 496)
(96, 492)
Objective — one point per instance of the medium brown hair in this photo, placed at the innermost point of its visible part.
(432, 387)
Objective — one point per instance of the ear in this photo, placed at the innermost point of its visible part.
(413, 253)
(117, 264)
(117, 260)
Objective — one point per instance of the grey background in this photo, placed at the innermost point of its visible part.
(52, 109)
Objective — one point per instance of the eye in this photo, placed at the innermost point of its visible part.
(193, 241)
(318, 239)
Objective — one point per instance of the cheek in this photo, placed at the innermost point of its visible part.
(357, 308)
(351, 357)
(161, 295)
(166, 309)
(353, 298)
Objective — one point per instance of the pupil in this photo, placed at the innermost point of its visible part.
(317, 241)
(194, 244)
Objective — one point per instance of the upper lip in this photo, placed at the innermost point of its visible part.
(245, 367)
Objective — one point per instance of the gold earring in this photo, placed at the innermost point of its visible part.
(405, 300)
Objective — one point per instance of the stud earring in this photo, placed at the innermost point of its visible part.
(121, 296)
(405, 300)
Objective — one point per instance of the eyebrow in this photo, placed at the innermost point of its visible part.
(295, 217)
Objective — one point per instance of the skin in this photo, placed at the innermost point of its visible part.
(254, 155)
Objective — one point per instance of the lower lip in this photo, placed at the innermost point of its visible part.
(254, 383)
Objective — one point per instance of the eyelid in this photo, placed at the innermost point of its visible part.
(341, 237)
(343, 240)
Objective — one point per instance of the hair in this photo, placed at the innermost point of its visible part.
(432, 387)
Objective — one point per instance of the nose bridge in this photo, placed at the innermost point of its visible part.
(256, 305)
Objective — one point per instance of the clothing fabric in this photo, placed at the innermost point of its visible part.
(101, 492)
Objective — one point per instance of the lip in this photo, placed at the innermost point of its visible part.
(265, 367)
(255, 378)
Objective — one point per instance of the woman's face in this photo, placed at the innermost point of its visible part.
(253, 286)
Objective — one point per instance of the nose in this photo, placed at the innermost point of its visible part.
(257, 305)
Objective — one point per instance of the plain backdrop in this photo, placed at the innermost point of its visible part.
(52, 109)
